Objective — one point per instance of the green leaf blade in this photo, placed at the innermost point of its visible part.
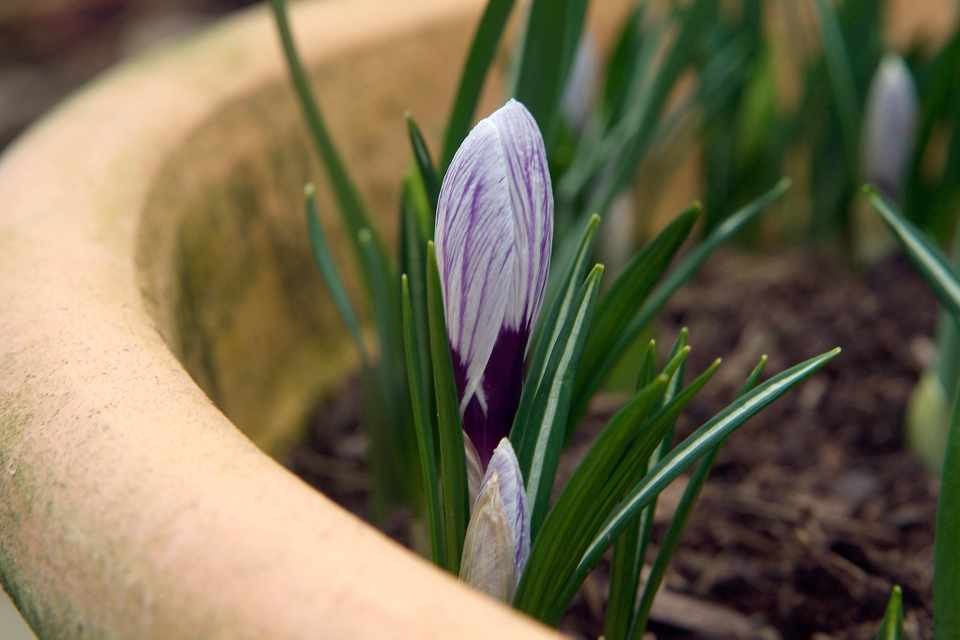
(482, 52)
(928, 258)
(328, 271)
(573, 506)
(549, 46)
(350, 204)
(629, 550)
(618, 307)
(671, 540)
(552, 405)
(681, 457)
(453, 473)
(613, 465)
(425, 167)
(892, 626)
(840, 73)
(680, 275)
(946, 558)
(554, 316)
(426, 446)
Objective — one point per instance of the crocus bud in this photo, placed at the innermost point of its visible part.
(581, 89)
(890, 123)
(497, 544)
(493, 238)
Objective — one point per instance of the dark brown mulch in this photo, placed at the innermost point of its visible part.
(814, 509)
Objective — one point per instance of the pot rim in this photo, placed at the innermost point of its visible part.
(119, 479)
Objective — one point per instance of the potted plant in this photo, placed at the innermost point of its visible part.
(151, 255)
(166, 333)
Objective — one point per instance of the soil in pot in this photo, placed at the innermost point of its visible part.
(814, 509)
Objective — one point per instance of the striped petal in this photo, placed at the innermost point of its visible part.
(493, 236)
(890, 125)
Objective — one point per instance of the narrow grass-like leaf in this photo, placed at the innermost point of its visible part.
(421, 155)
(551, 605)
(928, 258)
(629, 141)
(619, 306)
(624, 578)
(552, 405)
(546, 337)
(676, 383)
(946, 558)
(611, 467)
(348, 198)
(549, 44)
(626, 123)
(396, 468)
(482, 51)
(891, 628)
(386, 315)
(648, 365)
(413, 258)
(675, 279)
(576, 502)
(946, 573)
(453, 473)
(630, 548)
(423, 423)
(841, 78)
(329, 273)
(623, 65)
(671, 540)
(567, 269)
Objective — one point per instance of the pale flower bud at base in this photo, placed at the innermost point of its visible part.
(497, 543)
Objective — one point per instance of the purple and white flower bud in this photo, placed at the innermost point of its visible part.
(890, 123)
(497, 544)
(493, 237)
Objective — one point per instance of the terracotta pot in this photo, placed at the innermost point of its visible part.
(163, 326)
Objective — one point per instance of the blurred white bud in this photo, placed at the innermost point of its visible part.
(581, 89)
(890, 124)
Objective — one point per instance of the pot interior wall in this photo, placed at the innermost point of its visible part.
(223, 251)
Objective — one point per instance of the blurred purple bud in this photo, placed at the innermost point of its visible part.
(497, 543)
(493, 236)
(890, 125)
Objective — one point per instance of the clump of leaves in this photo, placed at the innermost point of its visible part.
(494, 331)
